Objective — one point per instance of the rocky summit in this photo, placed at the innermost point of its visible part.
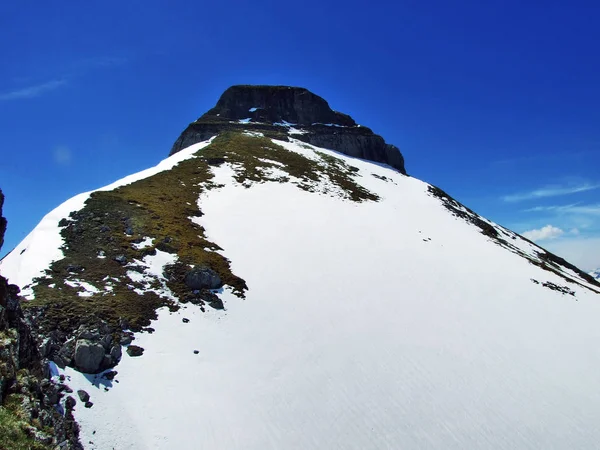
(275, 110)
(278, 282)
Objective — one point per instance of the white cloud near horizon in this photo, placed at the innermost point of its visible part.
(545, 233)
(33, 91)
(549, 191)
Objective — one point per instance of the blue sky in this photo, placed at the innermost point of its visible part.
(498, 104)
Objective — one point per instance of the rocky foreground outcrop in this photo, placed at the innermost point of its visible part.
(271, 109)
(35, 410)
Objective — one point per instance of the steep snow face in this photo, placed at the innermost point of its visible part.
(388, 324)
(43, 245)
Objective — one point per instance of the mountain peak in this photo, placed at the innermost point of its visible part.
(287, 112)
(277, 104)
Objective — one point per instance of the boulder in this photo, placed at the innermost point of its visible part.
(134, 350)
(83, 396)
(88, 356)
(202, 278)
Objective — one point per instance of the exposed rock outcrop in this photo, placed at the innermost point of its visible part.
(202, 278)
(2, 220)
(270, 109)
(91, 349)
(31, 406)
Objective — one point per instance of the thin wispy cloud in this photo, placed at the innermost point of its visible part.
(76, 69)
(33, 91)
(576, 208)
(550, 191)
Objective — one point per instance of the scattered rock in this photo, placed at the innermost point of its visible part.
(65, 388)
(70, 403)
(134, 350)
(214, 161)
(88, 404)
(110, 375)
(83, 396)
(165, 247)
(88, 356)
(75, 268)
(185, 320)
(136, 268)
(196, 352)
(121, 259)
(129, 231)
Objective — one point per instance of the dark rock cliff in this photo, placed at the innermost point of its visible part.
(2, 221)
(270, 109)
(31, 410)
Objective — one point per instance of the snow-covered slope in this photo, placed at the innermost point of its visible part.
(43, 245)
(400, 322)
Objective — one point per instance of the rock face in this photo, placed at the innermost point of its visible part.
(25, 388)
(202, 278)
(2, 220)
(269, 109)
